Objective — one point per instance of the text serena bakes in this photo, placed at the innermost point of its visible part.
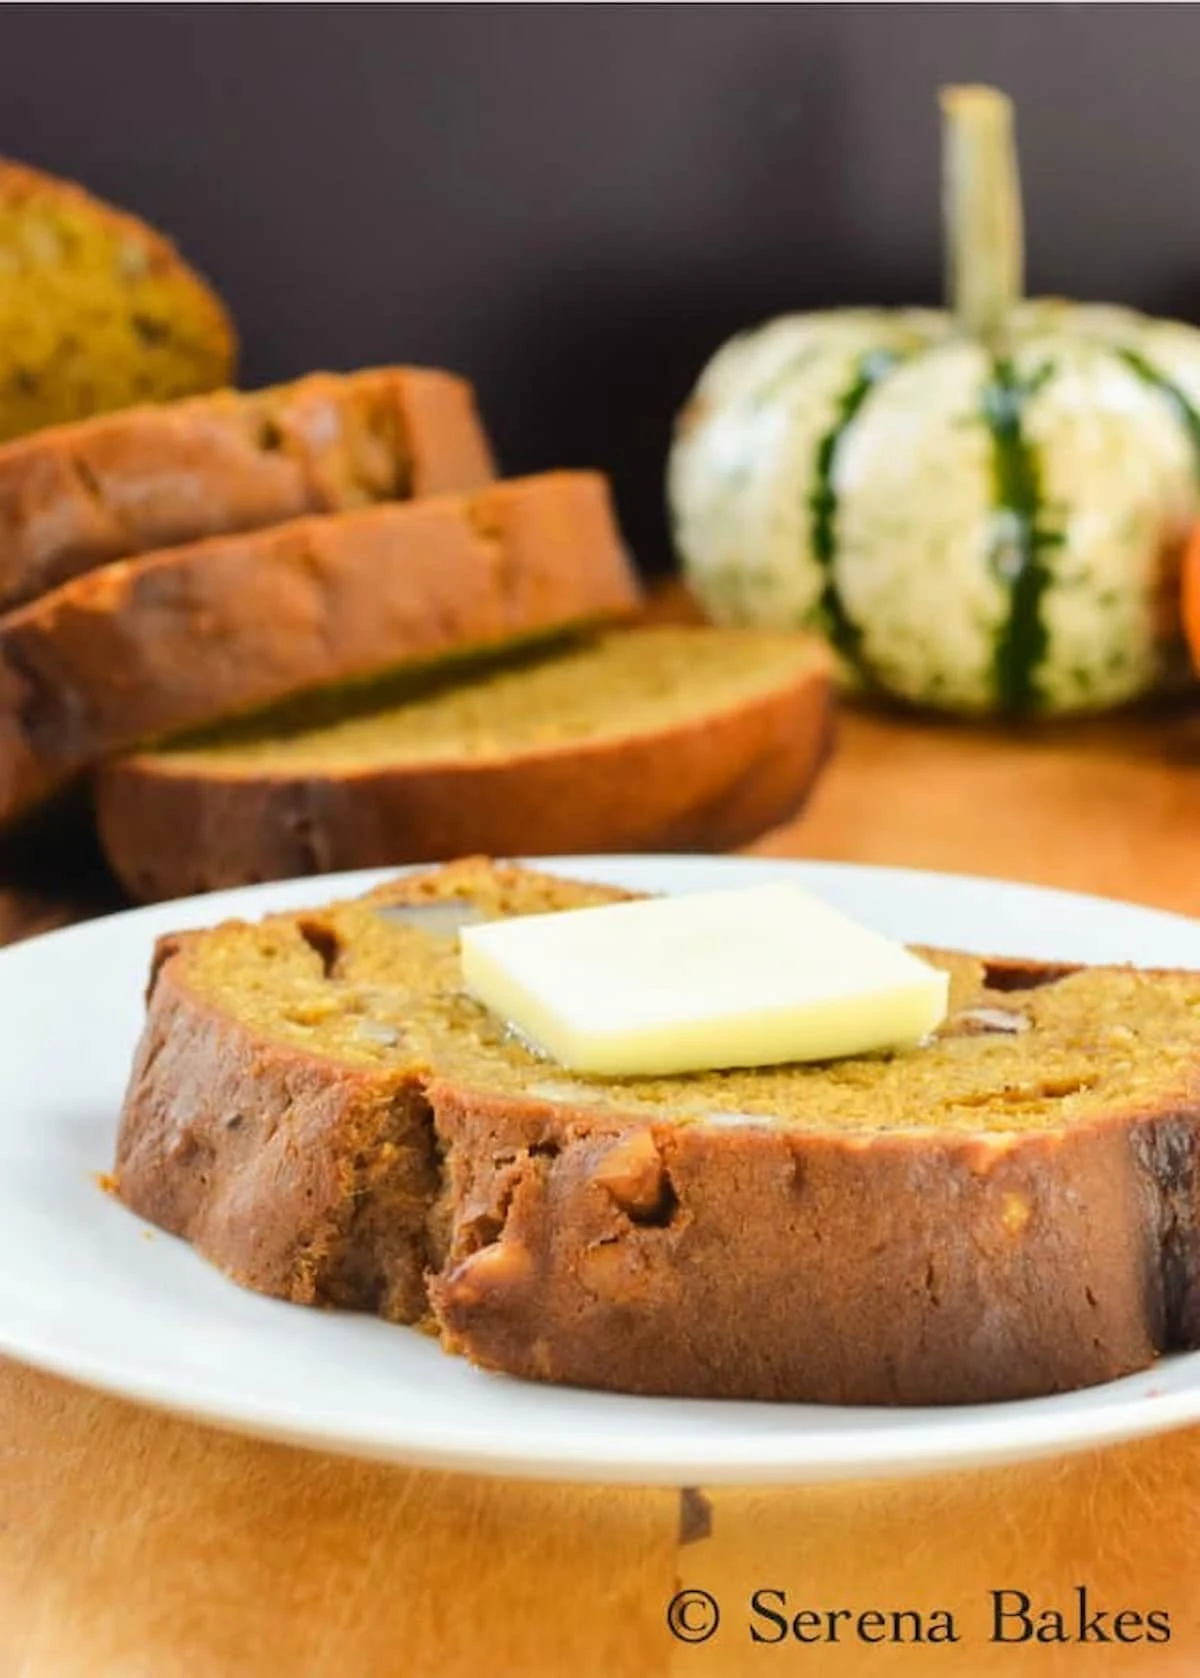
(1013, 1616)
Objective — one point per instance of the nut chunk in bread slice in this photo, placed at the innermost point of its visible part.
(74, 497)
(671, 738)
(190, 636)
(1008, 1210)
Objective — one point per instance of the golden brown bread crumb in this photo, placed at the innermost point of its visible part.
(1099, 1038)
(634, 682)
(97, 311)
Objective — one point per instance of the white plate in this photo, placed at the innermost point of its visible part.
(89, 1291)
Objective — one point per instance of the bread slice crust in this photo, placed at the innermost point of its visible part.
(145, 648)
(738, 764)
(614, 1237)
(75, 497)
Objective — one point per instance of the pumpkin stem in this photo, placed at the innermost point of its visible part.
(981, 206)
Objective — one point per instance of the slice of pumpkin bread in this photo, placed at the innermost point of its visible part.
(1008, 1210)
(644, 739)
(73, 497)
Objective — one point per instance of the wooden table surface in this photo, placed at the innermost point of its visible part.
(134, 1544)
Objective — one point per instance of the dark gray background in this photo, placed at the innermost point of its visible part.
(573, 204)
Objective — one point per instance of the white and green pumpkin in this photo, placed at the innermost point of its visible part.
(982, 509)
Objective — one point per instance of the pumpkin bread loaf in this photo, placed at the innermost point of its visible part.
(193, 635)
(1007, 1210)
(77, 496)
(97, 311)
(647, 739)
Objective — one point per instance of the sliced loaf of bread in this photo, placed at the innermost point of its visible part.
(1009, 1209)
(145, 648)
(97, 310)
(77, 496)
(645, 739)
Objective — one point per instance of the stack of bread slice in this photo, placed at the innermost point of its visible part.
(304, 629)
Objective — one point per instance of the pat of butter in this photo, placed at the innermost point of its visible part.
(750, 977)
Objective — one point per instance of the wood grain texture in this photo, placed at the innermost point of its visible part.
(137, 1546)
(1124, 1522)
(1109, 807)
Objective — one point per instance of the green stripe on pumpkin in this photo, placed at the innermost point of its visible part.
(1022, 537)
(823, 501)
(1187, 414)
